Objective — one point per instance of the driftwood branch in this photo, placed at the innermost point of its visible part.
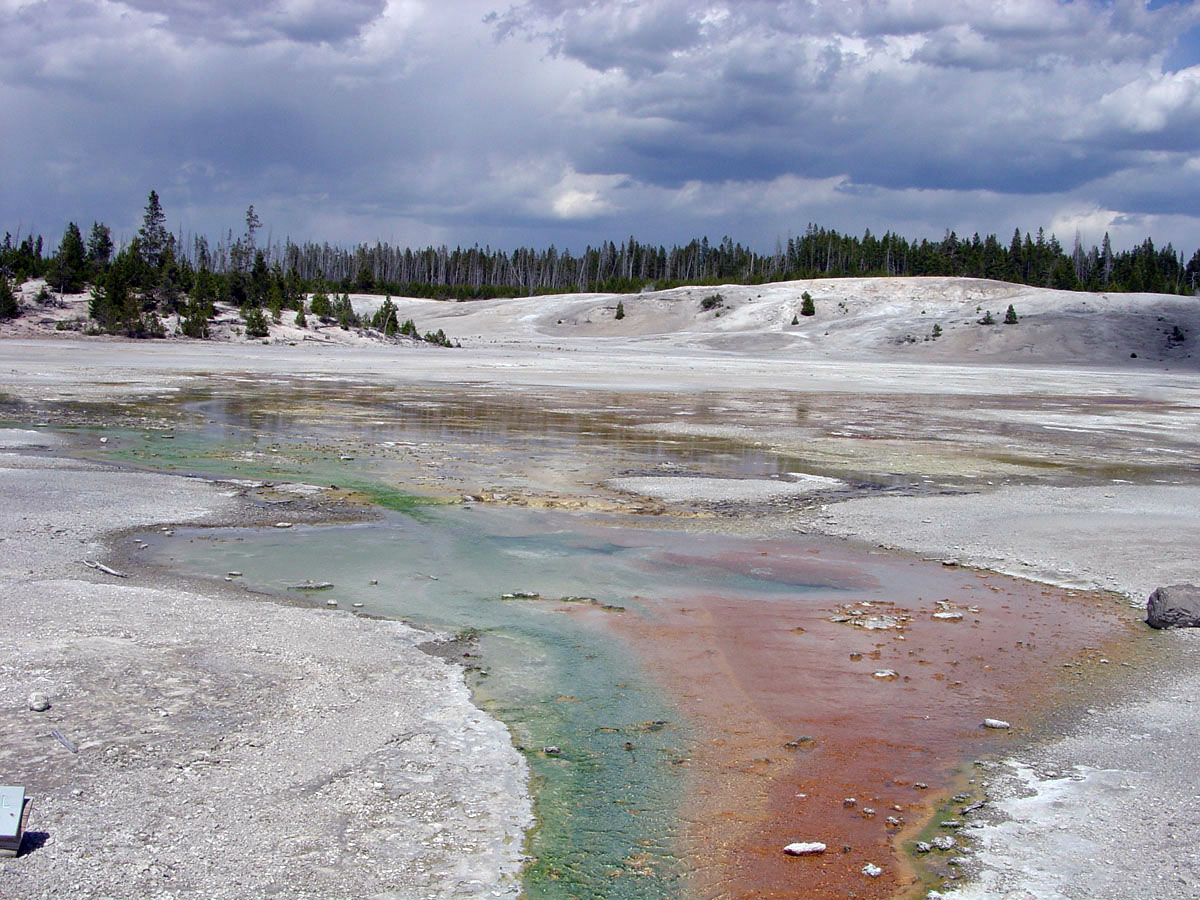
(63, 740)
(92, 564)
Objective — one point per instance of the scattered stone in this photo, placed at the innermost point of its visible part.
(283, 524)
(871, 870)
(331, 602)
(886, 674)
(552, 750)
(804, 848)
(995, 723)
(235, 574)
(951, 563)
(1175, 606)
(894, 822)
(803, 741)
(952, 823)
(944, 842)
(312, 586)
(923, 847)
(948, 616)
(849, 802)
(868, 812)
(39, 702)
(957, 861)
(920, 786)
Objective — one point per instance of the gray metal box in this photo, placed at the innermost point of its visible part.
(12, 819)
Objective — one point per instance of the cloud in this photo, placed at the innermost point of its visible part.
(556, 121)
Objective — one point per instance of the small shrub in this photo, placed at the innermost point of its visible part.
(988, 319)
(620, 309)
(256, 323)
(937, 331)
(1010, 316)
(795, 320)
(1177, 336)
(807, 307)
(320, 305)
(712, 301)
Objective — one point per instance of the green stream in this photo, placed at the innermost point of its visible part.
(607, 802)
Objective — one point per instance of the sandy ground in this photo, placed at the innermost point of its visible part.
(1061, 449)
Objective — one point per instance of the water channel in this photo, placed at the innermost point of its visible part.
(688, 700)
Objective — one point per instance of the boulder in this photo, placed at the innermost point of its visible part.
(1176, 606)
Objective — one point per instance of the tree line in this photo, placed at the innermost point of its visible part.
(160, 273)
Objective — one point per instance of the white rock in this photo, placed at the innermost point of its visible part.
(39, 702)
(886, 674)
(995, 723)
(283, 524)
(804, 848)
(871, 870)
(948, 616)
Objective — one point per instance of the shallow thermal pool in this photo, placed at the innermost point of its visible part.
(675, 672)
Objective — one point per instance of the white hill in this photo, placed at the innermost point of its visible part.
(900, 319)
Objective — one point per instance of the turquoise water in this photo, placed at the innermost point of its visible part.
(607, 803)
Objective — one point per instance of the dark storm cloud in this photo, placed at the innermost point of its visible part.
(900, 94)
(556, 121)
(232, 21)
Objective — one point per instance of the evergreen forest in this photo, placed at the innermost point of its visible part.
(158, 272)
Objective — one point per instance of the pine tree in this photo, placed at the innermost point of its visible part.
(1010, 316)
(70, 262)
(256, 323)
(386, 318)
(100, 247)
(9, 308)
(320, 305)
(194, 323)
(807, 307)
(620, 309)
(153, 233)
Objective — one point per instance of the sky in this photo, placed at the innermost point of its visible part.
(570, 122)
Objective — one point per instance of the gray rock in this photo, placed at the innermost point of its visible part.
(871, 870)
(39, 702)
(1176, 606)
